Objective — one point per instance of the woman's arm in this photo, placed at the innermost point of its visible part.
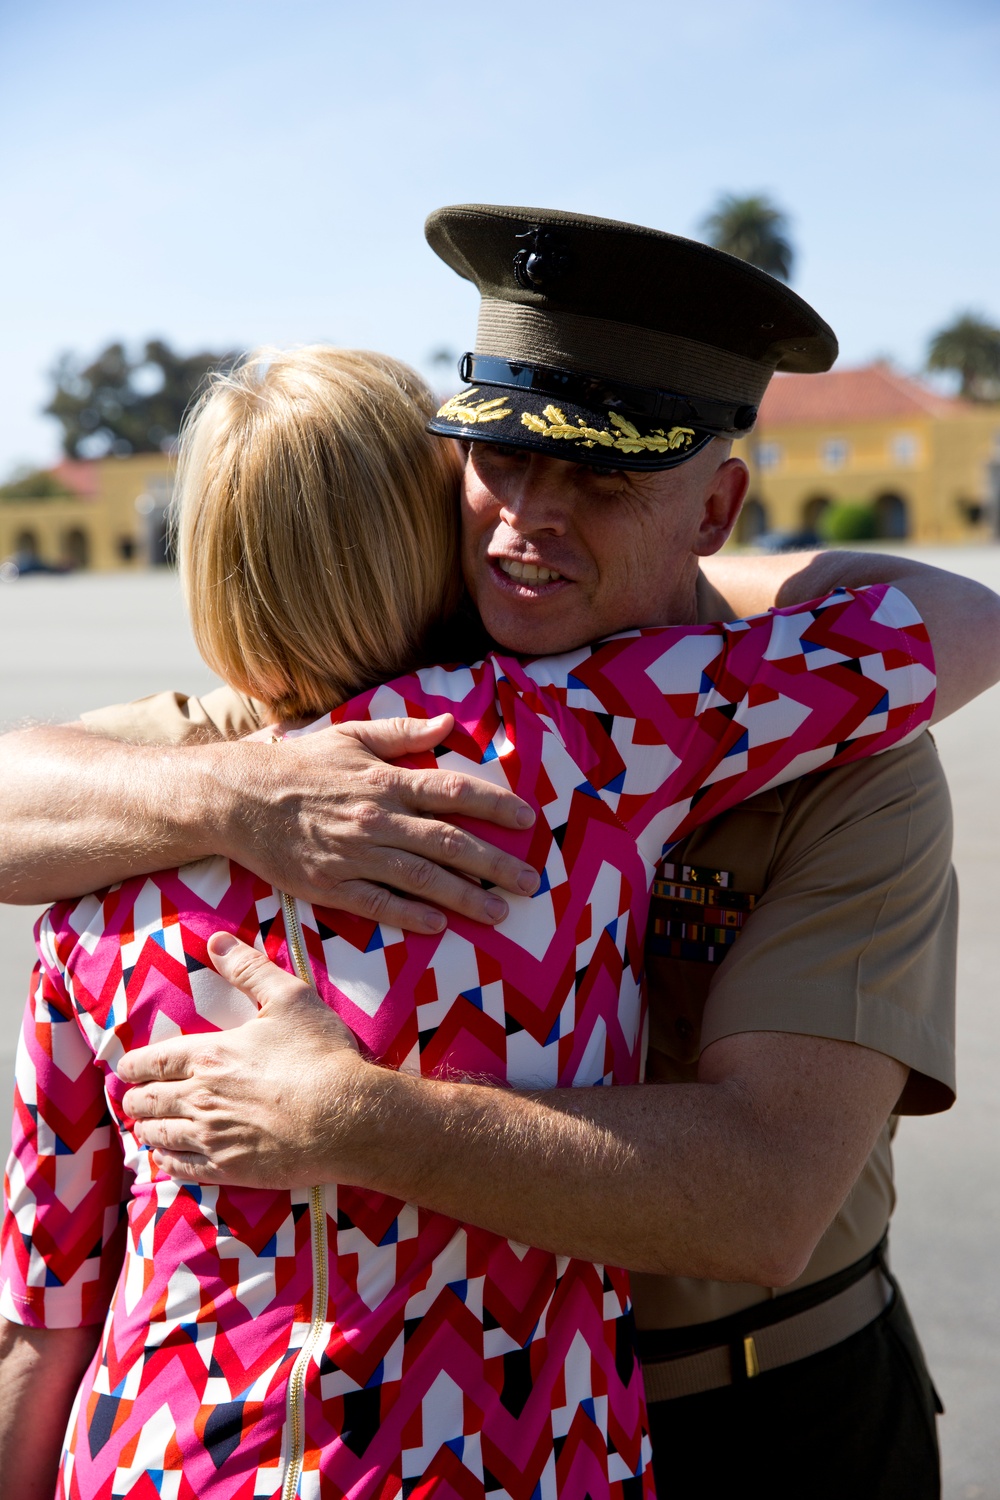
(40, 1369)
(961, 615)
(62, 1240)
(63, 1233)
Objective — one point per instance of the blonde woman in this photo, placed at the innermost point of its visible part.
(325, 1339)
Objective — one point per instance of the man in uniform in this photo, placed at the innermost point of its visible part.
(806, 938)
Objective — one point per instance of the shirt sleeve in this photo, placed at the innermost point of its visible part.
(177, 719)
(854, 936)
(66, 1185)
(672, 727)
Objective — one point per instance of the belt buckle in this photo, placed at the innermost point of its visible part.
(750, 1360)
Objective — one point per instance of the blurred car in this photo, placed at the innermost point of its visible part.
(22, 565)
(789, 541)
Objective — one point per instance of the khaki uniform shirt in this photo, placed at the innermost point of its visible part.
(175, 719)
(851, 935)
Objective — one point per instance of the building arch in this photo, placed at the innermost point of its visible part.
(752, 522)
(76, 547)
(892, 517)
(26, 545)
(813, 511)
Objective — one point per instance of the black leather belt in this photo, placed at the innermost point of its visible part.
(778, 1343)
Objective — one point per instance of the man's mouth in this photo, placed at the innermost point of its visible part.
(526, 572)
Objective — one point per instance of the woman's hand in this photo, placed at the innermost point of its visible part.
(274, 1103)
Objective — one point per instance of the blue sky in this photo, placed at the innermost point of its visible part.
(230, 172)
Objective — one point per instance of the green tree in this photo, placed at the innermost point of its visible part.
(849, 521)
(444, 358)
(754, 229)
(119, 404)
(33, 484)
(969, 347)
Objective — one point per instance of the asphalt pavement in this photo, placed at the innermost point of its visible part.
(75, 642)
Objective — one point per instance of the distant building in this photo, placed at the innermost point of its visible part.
(928, 464)
(111, 515)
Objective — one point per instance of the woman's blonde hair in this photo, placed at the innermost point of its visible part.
(317, 524)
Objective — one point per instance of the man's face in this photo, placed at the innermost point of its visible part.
(556, 554)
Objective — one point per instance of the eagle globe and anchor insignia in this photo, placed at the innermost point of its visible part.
(541, 260)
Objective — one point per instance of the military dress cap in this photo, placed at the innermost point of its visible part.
(606, 343)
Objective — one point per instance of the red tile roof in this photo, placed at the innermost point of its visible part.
(866, 394)
(81, 476)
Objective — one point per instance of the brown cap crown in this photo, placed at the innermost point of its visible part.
(643, 311)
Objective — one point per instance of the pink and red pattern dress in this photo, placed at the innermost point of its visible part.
(442, 1360)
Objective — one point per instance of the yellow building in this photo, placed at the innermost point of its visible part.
(929, 465)
(111, 515)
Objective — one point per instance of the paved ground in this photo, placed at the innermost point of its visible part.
(69, 643)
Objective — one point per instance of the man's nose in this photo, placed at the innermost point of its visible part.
(540, 499)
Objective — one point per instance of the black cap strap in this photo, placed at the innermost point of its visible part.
(665, 407)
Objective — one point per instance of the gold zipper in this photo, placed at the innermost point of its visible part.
(295, 1400)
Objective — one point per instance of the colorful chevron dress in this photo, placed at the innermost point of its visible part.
(337, 1342)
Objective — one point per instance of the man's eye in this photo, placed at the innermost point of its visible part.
(500, 453)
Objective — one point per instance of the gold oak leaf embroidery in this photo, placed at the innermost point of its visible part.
(459, 409)
(626, 439)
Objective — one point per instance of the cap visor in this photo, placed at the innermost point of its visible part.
(579, 434)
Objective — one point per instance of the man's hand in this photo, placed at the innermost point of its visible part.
(321, 816)
(260, 1105)
(330, 822)
(734, 1177)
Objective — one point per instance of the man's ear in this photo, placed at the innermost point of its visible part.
(723, 503)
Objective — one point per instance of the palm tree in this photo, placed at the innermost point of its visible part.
(754, 229)
(970, 346)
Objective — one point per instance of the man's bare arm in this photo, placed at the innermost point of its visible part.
(321, 816)
(734, 1177)
(40, 1369)
(79, 812)
(961, 615)
(333, 825)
